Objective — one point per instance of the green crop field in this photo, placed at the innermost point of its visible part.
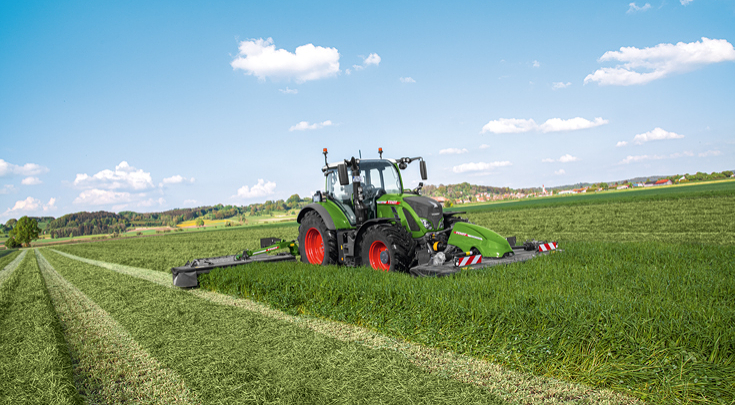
(639, 302)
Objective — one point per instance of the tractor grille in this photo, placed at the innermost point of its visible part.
(426, 208)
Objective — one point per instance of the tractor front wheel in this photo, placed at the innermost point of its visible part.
(386, 248)
(316, 245)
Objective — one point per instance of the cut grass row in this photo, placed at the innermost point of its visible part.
(8, 264)
(654, 320)
(511, 386)
(35, 367)
(109, 366)
(227, 355)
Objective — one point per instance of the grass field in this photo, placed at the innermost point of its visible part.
(638, 301)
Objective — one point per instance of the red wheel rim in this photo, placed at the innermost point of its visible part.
(376, 249)
(314, 246)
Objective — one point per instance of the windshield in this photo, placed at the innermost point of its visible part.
(380, 174)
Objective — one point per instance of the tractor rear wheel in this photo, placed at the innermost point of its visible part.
(386, 248)
(316, 245)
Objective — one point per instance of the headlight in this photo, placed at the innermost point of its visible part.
(426, 223)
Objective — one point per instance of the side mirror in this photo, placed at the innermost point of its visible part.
(342, 171)
(422, 167)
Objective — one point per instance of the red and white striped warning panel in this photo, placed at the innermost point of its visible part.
(467, 260)
(545, 247)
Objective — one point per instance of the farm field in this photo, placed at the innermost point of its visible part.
(639, 300)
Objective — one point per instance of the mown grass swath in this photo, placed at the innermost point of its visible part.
(227, 355)
(5, 260)
(35, 367)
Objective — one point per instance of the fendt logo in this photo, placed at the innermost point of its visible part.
(389, 202)
(467, 235)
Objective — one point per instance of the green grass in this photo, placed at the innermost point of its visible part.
(723, 188)
(6, 252)
(655, 320)
(653, 316)
(7, 258)
(35, 367)
(228, 355)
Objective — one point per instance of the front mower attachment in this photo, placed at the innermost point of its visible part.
(521, 253)
(186, 275)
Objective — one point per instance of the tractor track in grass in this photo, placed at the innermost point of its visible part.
(511, 386)
(6, 271)
(109, 365)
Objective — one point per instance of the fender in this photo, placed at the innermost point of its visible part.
(321, 211)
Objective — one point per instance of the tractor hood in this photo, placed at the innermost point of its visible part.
(426, 208)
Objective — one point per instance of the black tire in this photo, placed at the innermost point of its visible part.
(397, 243)
(312, 220)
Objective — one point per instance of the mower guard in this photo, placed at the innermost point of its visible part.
(449, 268)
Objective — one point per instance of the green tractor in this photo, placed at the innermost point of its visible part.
(365, 217)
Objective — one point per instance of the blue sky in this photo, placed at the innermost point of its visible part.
(148, 106)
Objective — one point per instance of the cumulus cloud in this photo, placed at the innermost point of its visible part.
(641, 158)
(484, 146)
(30, 205)
(621, 143)
(536, 64)
(685, 2)
(480, 166)
(710, 153)
(177, 179)
(452, 151)
(657, 134)
(640, 66)
(514, 125)
(634, 9)
(407, 80)
(260, 58)
(304, 125)
(372, 59)
(31, 181)
(559, 172)
(560, 85)
(573, 124)
(124, 177)
(564, 159)
(509, 126)
(289, 91)
(28, 169)
(103, 197)
(7, 189)
(261, 189)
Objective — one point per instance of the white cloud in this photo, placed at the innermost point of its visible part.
(634, 9)
(685, 2)
(261, 189)
(102, 197)
(30, 205)
(151, 202)
(190, 202)
(452, 151)
(573, 124)
(28, 169)
(564, 159)
(304, 125)
(559, 172)
(484, 146)
(657, 134)
(7, 189)
(641, 158)
(31, 181)
(177, 179)
(514, 125)
(509, 126)
(710, 153)
(260, 58)
(536, 64)
(289, 91)
(123, 177)
(560, 85)
(641, 66)
(476, 167)
(621, 143)
(407, 80)
(372, 59)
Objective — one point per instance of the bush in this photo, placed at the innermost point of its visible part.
(11, 243)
